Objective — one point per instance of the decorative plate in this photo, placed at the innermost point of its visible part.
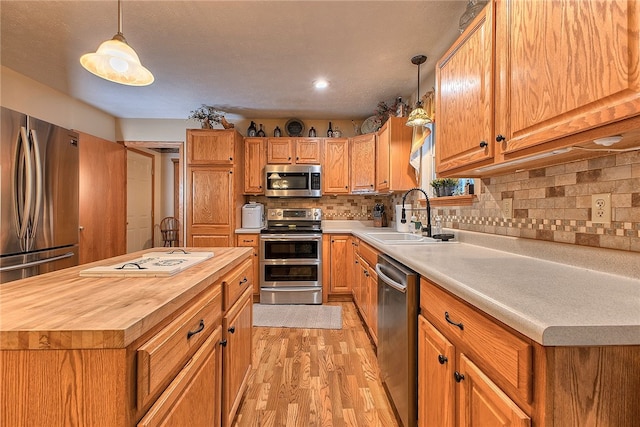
(294, 127)
(370, 124)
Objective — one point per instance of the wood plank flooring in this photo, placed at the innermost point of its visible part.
(315, 377)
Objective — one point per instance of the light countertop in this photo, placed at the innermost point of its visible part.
(544, 290)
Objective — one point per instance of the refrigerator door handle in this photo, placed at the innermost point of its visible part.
(35, 216)
(35, 263)
(22, 184)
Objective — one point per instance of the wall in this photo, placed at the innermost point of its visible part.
(554, 203)
(25, 95)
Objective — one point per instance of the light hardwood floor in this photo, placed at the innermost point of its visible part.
(315, 377)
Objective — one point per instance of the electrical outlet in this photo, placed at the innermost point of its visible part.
(364, 209)
(506, 206)
(601, 208)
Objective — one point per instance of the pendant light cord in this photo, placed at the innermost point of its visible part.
(119, 17)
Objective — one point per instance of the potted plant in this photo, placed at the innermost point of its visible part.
(207, 116)
(444, 186)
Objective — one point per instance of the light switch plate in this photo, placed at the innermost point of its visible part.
(601, 208)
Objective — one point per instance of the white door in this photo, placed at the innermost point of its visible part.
(139, 201)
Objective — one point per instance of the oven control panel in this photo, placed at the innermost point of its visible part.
(306, 214)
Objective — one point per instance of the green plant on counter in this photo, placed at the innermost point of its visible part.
(444, 186)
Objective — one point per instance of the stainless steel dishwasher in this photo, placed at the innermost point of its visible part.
(397, 335)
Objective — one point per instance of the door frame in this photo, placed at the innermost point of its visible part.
(180, 145)
(153, 191)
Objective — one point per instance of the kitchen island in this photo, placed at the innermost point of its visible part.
(106, 350)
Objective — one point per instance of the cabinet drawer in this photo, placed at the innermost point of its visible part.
(247, 240)
(367, 253)
(160, 358)
(507, 357)
(236, 282)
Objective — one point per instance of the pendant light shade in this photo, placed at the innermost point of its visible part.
(116, 61)
(418, 116)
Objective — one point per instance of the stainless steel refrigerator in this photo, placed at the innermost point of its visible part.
(39, 204)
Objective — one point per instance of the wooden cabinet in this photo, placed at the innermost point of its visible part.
(214, 186)
(252, 241)
(564, 73)
(393, 149)
(335, 169)
(293, 150)
(341, 261)
(451, 335)
(363, 163)
(365, 286)
(255, 157)
(465, 98)
(237, 330)
(193, 398)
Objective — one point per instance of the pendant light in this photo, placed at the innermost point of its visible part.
(116, 61)
(418, 116)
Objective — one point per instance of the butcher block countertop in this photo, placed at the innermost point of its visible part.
(62, 310)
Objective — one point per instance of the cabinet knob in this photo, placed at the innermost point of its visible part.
(297, 158)
(500, 138)
(223, 343)
(230, 172)
(346, 186)
(243, 281)
(231, 159)
(289, 158)
(483, 144)
(458, 376)
(232, 329)
(442, 359)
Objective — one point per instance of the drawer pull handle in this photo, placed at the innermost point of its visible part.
(458, 376)
(442, 359)
(243, 281)
(500, 138)
(446, 317)
(232, 329)
(483, 144)
(197, 331)
(223, 343)
(248, 241)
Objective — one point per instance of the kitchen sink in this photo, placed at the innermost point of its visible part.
(395, 238)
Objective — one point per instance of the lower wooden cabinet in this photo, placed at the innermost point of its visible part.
(365, 286)
(192, 398)
(236, 354)
(340, 261)
(252, 241)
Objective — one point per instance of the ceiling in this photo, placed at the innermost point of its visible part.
(251, 59)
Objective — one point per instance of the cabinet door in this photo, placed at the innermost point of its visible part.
(336, 166)
(237, 330)
(255, 158)
(193, 398)
(206, 147)
(565, 66)
(436, 360)
(280, 151)
(464, 90)
(341, 264)
(363, 163)
(252, 240)
(383, 176)
(482, 403)
(308, 151)
(210, 196)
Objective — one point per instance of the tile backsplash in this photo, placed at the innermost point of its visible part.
(551, 204)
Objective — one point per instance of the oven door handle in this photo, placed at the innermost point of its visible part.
(282, 237)
(389, 281)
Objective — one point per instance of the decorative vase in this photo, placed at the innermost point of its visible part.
(261, 133)
(277, 132)
(206, 124)
(252, 129)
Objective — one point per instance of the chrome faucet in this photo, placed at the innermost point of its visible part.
(403, 219)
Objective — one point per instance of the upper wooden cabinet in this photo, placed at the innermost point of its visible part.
(207, 147)
(464, 98)
(393, 147)
(335, 169)
(255, 157)
(363, 163)
(565, 72)
(293, 150)
(565, 67)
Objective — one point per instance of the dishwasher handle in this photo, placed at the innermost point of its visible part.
(389, 281)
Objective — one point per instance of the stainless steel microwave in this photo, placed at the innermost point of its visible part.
(293, 181)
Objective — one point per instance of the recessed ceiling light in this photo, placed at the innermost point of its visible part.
(321, 84)
(608, 141)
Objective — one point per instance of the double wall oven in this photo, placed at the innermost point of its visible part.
(291, 257)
